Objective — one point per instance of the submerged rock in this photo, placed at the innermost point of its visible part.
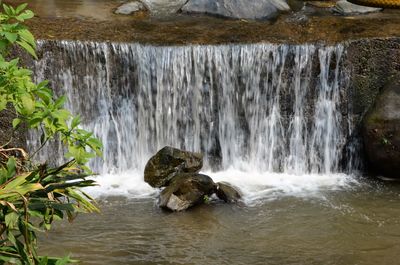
(238, 9)
(168, 162)
(130, 8)
(346, 8)
(186, 190)
(164, 7)
(227, 192)
(381, 132)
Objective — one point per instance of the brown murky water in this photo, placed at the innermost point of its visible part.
(359, 225)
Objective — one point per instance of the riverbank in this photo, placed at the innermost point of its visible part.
(95, 21)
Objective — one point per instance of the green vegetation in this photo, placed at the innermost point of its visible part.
(33, 196)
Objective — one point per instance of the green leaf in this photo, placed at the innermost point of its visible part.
(3, 45)
(28, 48)
(60, 102)
(11, 167)
(27, 14)
(11, 37)
(45, 95)
(78, 153)
(11, 219)
(63, 261)
(43, 261)
(75, 122)
(28, 105)
(27, 36)
(20, 8)
(3, 103)
(16, 122)
(7, 9)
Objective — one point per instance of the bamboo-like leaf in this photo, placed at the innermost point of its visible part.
(20, 8)
(28, 48)
(11, 219)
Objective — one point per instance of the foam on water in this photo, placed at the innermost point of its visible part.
(256, 186)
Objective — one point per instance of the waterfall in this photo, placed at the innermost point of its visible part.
(263, 107)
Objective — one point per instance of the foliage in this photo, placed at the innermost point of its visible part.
(33, 196)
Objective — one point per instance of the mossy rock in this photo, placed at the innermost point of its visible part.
(381, 132)
(186, 190)
(168, 162)
(227, 192)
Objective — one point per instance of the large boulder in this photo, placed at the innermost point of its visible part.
(238, 9)
(227, 192)
(163, 7)
(381, 132)
(130, 8)
(168, 162)
(346, 8)
(186, 190)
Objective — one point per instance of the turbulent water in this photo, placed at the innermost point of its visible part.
(267, 117)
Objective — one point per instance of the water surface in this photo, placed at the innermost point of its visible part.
(357, 224)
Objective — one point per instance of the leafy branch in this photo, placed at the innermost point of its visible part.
(33, 196)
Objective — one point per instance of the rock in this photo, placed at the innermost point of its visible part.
(298, 18)
(164, 7)
(295, 5)
(129, 8)
(238, 9)
(322, 4)
(345, 8)
(186, 190)
(168, 162)
(381, 132)
(227, 192)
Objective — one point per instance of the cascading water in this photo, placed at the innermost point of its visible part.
(268, 117)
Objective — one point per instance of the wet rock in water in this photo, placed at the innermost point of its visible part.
(346, 8)
(168, 162)
(238, 9)
(130, 8)
(381, 132)
(164, 7)
(186, 190)
(227, 192)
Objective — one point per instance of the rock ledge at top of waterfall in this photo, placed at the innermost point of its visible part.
(235, 9)
(178, 172)
(239, 9)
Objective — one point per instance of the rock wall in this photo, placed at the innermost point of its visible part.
(371, 64)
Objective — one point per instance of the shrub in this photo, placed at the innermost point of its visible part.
(32, 196)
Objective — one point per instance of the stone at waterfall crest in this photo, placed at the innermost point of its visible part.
(177, 171)
(239, 9)
(344, 7)
(130, 7)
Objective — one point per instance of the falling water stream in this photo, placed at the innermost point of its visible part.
(275, 120)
